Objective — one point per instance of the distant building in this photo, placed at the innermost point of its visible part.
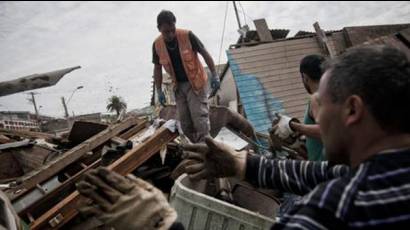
(19, 120)
(92, 117)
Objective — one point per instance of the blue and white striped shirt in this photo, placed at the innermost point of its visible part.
(376, 194)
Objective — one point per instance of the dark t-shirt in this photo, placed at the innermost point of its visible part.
(174, 55)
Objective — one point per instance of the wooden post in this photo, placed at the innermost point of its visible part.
(237, 16)
(65, 107)
(322, 39)
(263, 30)
(33, 100)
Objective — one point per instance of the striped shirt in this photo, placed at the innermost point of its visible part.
(376, 194)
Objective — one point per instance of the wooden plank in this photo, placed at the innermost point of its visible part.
(285, 65)
(53, 167)
(286, 103)
(296, 109)
(283, 43)
(275, 54)
(269, 62)
(277, 50)
(279, 84)
(275, 83)
(268, 74)
(134, 130)
(118, 140)
(59, 190)
(263, 30)
(273, 87)
(323, 41)
(289, 88)
(26, 134)
(289, 93)
(280, 77)
(67, 208)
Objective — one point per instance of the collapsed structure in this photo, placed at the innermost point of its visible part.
(261, 78)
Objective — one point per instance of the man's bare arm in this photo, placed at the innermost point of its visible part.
(308, 130)
(208, 60)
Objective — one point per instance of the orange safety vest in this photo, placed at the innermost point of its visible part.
(193, 68)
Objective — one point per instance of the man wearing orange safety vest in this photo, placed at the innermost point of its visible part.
(177, 51)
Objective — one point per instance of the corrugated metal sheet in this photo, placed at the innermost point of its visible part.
(268, 79)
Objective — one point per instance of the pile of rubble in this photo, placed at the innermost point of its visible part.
(39, 171)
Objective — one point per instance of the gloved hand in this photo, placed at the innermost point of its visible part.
(215, 82)
(125, 202)
(214, 160)
(282, 128)
(161, 97)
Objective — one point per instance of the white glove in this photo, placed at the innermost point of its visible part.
(125, 203)
(283, 130)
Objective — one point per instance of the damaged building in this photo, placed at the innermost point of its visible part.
(39, 170)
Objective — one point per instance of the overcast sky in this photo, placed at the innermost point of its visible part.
(113, 41)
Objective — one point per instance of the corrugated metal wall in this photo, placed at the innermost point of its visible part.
(268, 79)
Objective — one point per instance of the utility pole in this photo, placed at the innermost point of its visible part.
(65, 107)
(33, 100)
(237, 16)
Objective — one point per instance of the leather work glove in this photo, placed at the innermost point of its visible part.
(282, 128)
(125, 202)
(215, 82)
(214, 160)
(161, 97)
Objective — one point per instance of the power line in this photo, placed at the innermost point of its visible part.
(243, 12)
(222, 38)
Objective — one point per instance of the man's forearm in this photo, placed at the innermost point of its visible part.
(308, 130)
(209, 61)
(293, 176)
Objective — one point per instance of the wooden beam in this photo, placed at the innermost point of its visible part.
(40, 204)
(323, 41)
(52, 168)
(134, 130)
(26, 134)
(118, 140)
(263, 30)
(134, 158)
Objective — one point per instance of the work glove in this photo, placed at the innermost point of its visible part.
(215, 82)
(125, 202)
(161, 97)
(214, 160)
(281, 126)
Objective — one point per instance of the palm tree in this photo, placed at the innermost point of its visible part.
(117, 104)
